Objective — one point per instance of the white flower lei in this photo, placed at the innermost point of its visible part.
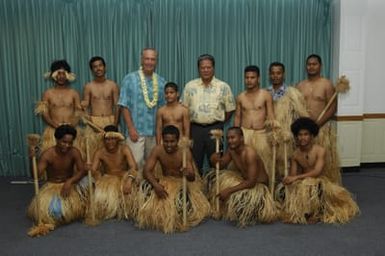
(143, 84)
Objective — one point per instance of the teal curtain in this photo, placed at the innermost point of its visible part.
(236, 32)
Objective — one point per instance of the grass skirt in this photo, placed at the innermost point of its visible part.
(246, 207)
(327, 138)
(56, 210)
(316, 198)
(109, 199)
(166, 215)
(287, 109)
(258, 140)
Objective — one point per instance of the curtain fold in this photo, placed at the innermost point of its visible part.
(236, 32)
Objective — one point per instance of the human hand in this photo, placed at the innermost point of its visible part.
(65, 191)
(133, 133)
(160, 191)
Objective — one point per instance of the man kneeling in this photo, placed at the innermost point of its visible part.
(114, 169)
(308, 196)
(60, 200)
(161, 204)
(244, 195)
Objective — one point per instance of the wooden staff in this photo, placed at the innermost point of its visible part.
(91, 220)
(90, 123)
(185, 144)
(272, 184)
(40, 228)
(217, 135)
(286, 139)
(342, 86)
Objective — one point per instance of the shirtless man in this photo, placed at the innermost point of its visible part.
(317, 91)
(246, 186)
(59, 199)
(173, 113)
(114, 169)
(254, 108)
(59, 104)
(161, 210)
(100, 98)
(311, 196)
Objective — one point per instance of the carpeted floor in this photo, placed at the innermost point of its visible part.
(365, 235)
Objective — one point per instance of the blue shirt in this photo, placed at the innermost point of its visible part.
(276, 94)
(131, 97)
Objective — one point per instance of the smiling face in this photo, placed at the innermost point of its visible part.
(111, 144)
(148, 61)
(98, 68)
(170, 143)
(64, 144)
(234, 139)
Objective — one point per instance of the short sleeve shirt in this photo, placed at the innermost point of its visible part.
(208, 104)
(131, 97)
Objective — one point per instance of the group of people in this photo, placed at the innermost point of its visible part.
(154, 174)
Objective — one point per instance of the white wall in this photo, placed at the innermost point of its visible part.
(374, 101)
(359, 41)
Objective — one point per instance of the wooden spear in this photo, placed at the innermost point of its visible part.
(342, 86)
(185, 144)
(217, 135)
(41, 228)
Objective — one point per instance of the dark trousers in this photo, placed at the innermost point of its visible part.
(203, 144)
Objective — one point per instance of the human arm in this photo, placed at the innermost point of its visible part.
(313, 172)
(248, 182)
(159, 125)
(116, 108)
(85, 103)
(330, 112)
(77, 108)
(149, 175)
(78, 175)
(186, 122)
(189, 170)
(46, 114)
(269, 106)
(132, 132)
(238, 113)
(223, 160)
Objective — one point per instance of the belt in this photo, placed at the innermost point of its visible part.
(207, 125)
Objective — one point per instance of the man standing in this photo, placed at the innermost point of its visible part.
(100, 97)
(254, 108)
(317, 91)
(289, 105)
(59, 104)
(211, 103)
(140, 97)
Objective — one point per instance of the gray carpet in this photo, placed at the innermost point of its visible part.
(365, 235)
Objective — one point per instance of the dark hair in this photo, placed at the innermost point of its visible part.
(96, 58)
(111, 128)
(206, 57)
(315, 56)
(304, 123)
(236, 129)
(170, 129)
(63, 130)
(252, 68)
(171, 85)
(58, 64)
(276, 64)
